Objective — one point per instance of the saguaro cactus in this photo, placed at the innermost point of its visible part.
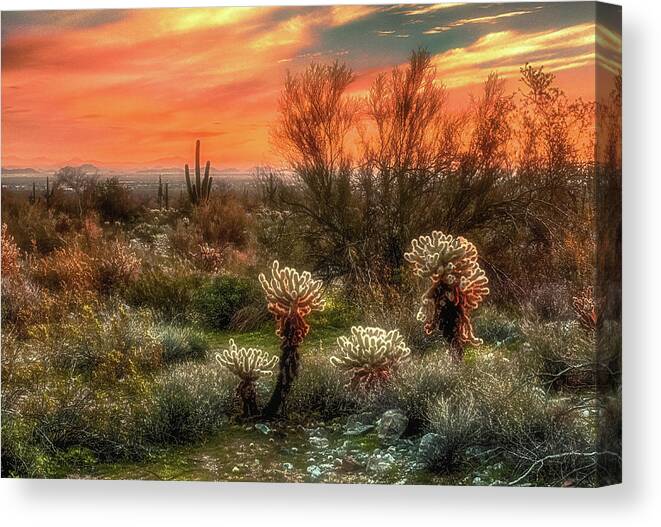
(458, 286)
(248, 365)
(200, 190)
(291, 296)
(160, 192)
(49, 193)
(371, 355)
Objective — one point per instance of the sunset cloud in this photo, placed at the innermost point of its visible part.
(134, 86)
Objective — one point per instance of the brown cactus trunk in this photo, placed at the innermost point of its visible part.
(248, 395)
(289, 363)
(448, 318)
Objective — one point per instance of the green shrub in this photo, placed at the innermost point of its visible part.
(181, 344)
(188, 402)
(417, 384)
(321, 389)
(104, 344)
(167, 290)
(218, 301)
(457, 425)
(497, 328)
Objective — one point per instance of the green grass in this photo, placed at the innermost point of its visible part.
(266, 339)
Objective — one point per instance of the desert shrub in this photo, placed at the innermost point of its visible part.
(222, 221)
(189, 401)
(53, 412)
(321, 389)
(397, 307)
(417, 384)
(182, 344)
(220, 299)
(250, 317)
(550, 301)
(114, 266)
(168, 290)
(33, 226)
(561, 353)
(114, 201)
(526, 425)
(11, 255)
(103, 344)
(457, 425)
(496, 327)
(22, 453)
(339, 311)
(67, 268)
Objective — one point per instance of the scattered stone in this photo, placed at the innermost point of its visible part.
(391, 426)
(264, 429)
(236, 469)
(314, 471)
(287, 466)
(380, 464)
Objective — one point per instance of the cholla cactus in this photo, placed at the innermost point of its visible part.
(248, 364)
(291, 296)
(458, 286)
(371, 355)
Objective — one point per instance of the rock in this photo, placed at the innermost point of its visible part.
(314, 471)
(360, 420)
(391, 426)
(380, 464)
(235, 470)
(319, 442)
(287, 466)
(429, 449)
(358, 430)
(264, 429)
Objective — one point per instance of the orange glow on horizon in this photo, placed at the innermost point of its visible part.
(139, 88)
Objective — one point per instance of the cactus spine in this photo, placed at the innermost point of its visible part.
(200, 190)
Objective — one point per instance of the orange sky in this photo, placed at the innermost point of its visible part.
(125, 88)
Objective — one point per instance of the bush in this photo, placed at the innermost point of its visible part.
(115, 202)
(417, 384)
(188, 402)
(217, 302)
(102, 344)
(167, 290)
(457, 425)
(321, 389)
(32, 225)
(562, 354)
(182, 344)
(497, 328)
(67, 268)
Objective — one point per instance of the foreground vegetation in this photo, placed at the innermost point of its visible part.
(113, 309)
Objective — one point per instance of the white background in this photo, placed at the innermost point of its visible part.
(636, 502)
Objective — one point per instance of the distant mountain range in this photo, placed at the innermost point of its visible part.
(93, 169)
(9, 171)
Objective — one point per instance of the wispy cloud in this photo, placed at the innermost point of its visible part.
(492, 19)
(427, 9)
(505, 52)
